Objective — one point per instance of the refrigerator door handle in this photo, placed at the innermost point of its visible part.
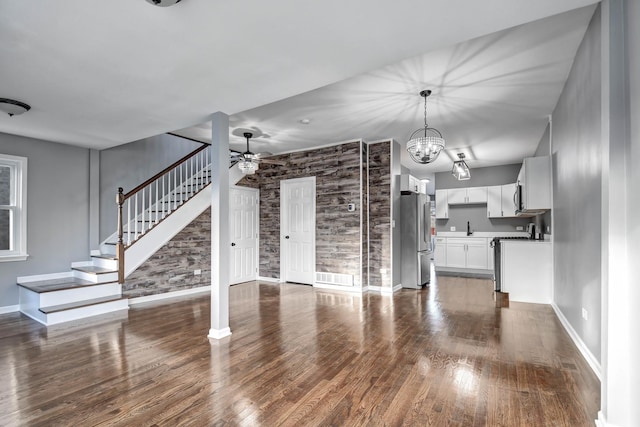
(425, 228)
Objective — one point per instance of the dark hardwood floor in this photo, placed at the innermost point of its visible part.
(443, 356)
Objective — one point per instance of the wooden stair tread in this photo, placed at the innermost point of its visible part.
(105, 256)
(78, 304)
(51, 285)
(94, 270)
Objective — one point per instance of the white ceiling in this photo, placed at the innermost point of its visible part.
(103, 73)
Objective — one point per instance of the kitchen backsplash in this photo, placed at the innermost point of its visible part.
(477, 216)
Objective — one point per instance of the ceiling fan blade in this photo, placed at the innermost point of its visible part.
(268, 161)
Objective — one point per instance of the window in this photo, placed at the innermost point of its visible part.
(13, 208)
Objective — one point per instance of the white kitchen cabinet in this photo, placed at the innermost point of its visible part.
(467, 253)
(456, 253)
(457, 196)
(463, 196)
(477, 195)
(440, 252)
(412, 184)
(442, 204)
(477, 254)
(508, 200)
(535, 181)
(494, 201)
(500, 203)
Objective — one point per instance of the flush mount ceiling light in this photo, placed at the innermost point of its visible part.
(13, 107)
(163, 3)
(460, 169)
(249, 162)
(425, 144)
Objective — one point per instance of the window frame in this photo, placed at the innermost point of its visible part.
(17, 208)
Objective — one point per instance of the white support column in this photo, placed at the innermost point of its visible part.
(219, 227)
(618, 394)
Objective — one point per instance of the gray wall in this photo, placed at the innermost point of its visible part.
(477, 214)
(633, 72)
(57, 210)
(577, 172)
(131, 164)
(633, 207)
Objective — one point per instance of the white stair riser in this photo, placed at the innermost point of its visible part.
(111, 264)
(88, 311)
(108, 249)
(96, 278)
(48, 299)
(30, 303)
(39, 277)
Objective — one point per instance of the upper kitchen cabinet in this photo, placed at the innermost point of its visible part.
(470, 195)
(500, 201)
(534, 181)
(412, 184)
(442, 204)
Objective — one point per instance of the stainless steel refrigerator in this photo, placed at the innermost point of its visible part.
(415, 221)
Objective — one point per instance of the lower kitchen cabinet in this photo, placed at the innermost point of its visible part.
(477, 254)
(456, 254)
(440, 252)
(467, 253)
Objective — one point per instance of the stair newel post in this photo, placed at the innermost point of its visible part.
(120, 244)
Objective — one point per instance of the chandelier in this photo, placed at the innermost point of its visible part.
(425, 144)
(249, 163)
(460, 169)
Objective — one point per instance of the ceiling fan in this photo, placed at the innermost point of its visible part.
(248, 162)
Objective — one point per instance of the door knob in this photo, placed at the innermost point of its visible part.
(286, 237)
(233, 244)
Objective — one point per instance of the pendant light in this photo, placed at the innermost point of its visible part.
(425, 144)
(460, 169)
(249, 163)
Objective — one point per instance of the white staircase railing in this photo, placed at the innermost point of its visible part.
(144, 207)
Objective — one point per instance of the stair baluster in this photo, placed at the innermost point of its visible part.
(190, 175)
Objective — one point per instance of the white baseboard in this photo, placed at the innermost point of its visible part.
(397, 287)
(268, 279)
(602, 421)
(382, 290)
(217, 334)
(9, 309)
(166, 295)
(350, 289)
(584, 350)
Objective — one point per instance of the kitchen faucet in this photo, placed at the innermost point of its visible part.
(469, 233)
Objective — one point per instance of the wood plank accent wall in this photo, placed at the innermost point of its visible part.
(380, 214)
(365, 215)
(171, 267)
(338, 175)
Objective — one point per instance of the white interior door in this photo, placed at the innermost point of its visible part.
(243, 232)
(298, 230)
